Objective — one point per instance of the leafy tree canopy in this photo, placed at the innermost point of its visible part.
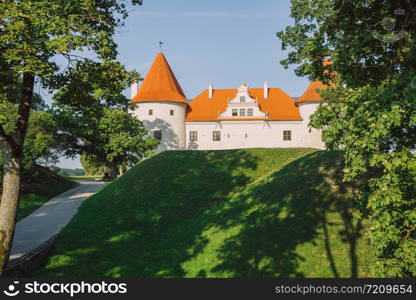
(41, 143)
(369, 109)
(93, 117)
(32, 34)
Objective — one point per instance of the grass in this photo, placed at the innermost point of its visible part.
(231, 213)
(43, 186)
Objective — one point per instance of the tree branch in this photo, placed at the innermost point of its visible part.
(23, 112)
(4, 137)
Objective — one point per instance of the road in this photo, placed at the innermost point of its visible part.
(50, 218)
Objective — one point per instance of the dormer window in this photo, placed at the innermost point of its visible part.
(235, 112)
(242, 112)
(242, 99)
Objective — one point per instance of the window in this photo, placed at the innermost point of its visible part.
(216, 136)
(242, 99)
(287, 135)
(157, 134)
(193, 136)
(242, 112)
(249, 112)
(235, 112)
(150, 112)
(171, 112)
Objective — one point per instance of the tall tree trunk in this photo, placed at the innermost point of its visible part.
(113, 173)
(13, 151)
(9, 203)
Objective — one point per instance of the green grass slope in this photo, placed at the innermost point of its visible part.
(232, 213)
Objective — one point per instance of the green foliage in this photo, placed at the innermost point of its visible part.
(95, 121)
(89, 84)
(92, 167)
(369, 110)
(33, 32)
(71, 172)
(250, 213)
(343, 30)
(32, 35)
(41, 144)
(13, 93)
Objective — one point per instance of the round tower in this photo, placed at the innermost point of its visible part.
(161, 105)
(307, 104)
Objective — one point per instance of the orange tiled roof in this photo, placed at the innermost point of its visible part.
(311, 93)
(278, 105)
(160, 84)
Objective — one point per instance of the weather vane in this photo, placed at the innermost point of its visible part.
(160, 46)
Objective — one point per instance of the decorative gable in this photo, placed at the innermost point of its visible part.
(242, 106)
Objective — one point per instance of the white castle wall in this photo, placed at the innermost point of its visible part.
(234, 134)
(252, 134)
(172, 127)
(245, 134)
(312, 138)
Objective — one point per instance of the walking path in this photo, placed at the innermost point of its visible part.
(37, 228)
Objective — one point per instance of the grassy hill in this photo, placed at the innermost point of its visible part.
(231, 213)
(41, 186)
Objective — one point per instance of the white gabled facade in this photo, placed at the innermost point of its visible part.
(225, 118)
(246, 134)
(242, 105)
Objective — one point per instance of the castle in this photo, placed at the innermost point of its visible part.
(223, 118)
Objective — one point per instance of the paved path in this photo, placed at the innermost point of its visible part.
(35, 229)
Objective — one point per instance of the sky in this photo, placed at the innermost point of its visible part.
(209, 41)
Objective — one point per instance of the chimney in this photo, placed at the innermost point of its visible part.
(266, 90)
(134, 89)
(210, 90)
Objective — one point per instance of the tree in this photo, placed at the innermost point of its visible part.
(71, 172)
(32, 33)
(124, 139)
(102, 131)
(41, 144)
(91, 167)
(110, 139)
(369, 109)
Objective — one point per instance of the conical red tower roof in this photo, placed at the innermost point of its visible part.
(311, 93)
(160, 83)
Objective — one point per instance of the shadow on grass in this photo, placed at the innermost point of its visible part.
(292, 207)
(147, 225)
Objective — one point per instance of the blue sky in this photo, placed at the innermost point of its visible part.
(223, 42)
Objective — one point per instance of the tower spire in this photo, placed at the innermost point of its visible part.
(160, 83)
